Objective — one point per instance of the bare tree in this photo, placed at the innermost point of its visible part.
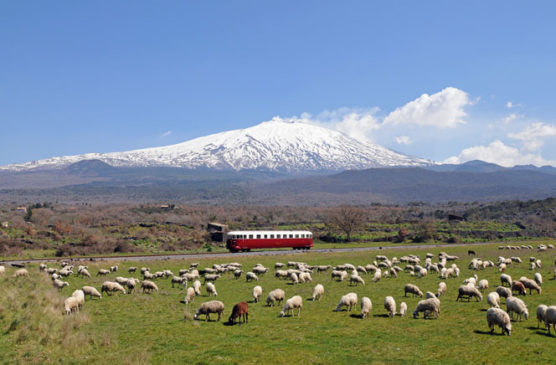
(348, 219)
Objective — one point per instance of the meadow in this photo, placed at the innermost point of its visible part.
(158, 328)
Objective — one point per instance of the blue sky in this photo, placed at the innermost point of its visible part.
(99, 76)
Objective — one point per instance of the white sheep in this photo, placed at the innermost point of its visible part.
(516, 305)
(114, 268)
(349, 300)
(493, 299)
(530, 284)
(84, 272)
(403, 309)
(111, 287)
(275, 296)
(213, 306)
(305, 277)
(377, 275)
(237, 273)
(179, 280)
(550, 318)
(291, 304)
(71, 304)
(341, 275)
(541, 313)
(504, 292)
(441, 289)
(257, 292)
(59, 284)
(538, 278)
(366, 307)
(468, 292)
(197, 287)
(80, 295)
(91, 291)
(148, 286)
(103, 272)
(429, 295)
(483, 284)
(20, 273)
(506, 279)
(356, 279)
(428, 307)
(250, 276)
(294, 278)
(211, 289)
(412, 289)
(2, 270)
(497, 316)
(318, 292)
(390, 306)
(189, 295)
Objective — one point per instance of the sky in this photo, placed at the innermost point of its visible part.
(444, 80)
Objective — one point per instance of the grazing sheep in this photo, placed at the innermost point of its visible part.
(550, 318)
(530, 284)
(197, 287)
(538, 278)
(412, 289)
(294, 278)
(278, 265)
(275, 296)
(148, 276)
(514, 304)
(20, 273)
(71, 304)
(504, 292)
(428, 307)
(497, 316)
(103, 272)
(305, 277)
(111, 287)
(114, 268)
(240, 310)
(121, 280)
(483, 284)
(291, 304)
(179, 280)
(250, 276)
(339, 274)
(356, 279)
(502, 267)
(366, 307)
(377, 276)
(80, 295)
(349, 300)
(318, 292)
(441, 289)
(237, 273)
(403, 309)
(519, 287)
(541, 313)
(281, 274)
(493, 299)
(260, 270)
(322, 268)
(189, 295)
(84, 272)
(132, 269)
(539, 264)
(91, 291)
(429, 295)
(468, 292)
(211, 277)
(506, 279)
(390, 306)
(257, 292)
(211, 289)
(131, 283)
(59, 284)
(148, 286)
(422, 273)
(213, 306)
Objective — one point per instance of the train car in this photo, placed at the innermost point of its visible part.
(246, 240)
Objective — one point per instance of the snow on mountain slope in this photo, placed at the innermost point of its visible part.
(274, 145)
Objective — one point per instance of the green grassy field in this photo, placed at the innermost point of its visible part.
(141, 328)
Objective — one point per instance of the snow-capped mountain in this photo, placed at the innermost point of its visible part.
(276, 145)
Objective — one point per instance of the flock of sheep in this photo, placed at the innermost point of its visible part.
(300, 273)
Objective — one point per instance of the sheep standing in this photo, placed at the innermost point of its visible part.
(516, 305)
(318, 292)
(483, 284)
(148, 286)
(538, 278)
(71, 304)
(441, 289)
(109, 287)
(305, 277)
(213, 306)
(506, 279)
(91, 291)
(80, 295)
(497, 316)
(412, 289)
(349, 300)
(197, 287)
(468, 292)
(250, 276)
(541, 313)
(59, 284)
(403, 309)
(291, 304)
(257, 292)
(294, 278)
(550, 318)
(366, 307)
(530, 284)
(275, 296)
(211, 289)
(493, 299)
(377, 275)
(428, 307)
(21, 272)
(189, 295)
(519, 287)
(390, 306)
(356, 279)
(3, 270)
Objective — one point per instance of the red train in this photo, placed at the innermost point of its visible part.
(246, 240)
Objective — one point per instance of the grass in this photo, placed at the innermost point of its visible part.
(140, 328)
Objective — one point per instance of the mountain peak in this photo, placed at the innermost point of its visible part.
(277, 145)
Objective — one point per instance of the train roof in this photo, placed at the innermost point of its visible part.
(269, 232)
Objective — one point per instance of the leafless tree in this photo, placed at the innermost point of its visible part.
(348, 219)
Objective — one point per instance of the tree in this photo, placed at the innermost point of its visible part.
(348, 219)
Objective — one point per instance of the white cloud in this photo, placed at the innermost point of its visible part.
(499, 153)
(534, 134)
(166, 134)
(356, 123)
(510, 117)
(509, 105)
(403, 140)
(444, 109)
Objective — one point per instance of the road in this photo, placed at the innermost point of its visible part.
(236, 255)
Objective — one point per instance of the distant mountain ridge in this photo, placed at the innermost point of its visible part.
(276, 145)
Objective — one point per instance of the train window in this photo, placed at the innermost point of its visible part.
(265, 236)
(271, 236)
(296, 236)
(278, 236)
(302, 236)
(291, 235)
(258, 236)
(250, 236)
